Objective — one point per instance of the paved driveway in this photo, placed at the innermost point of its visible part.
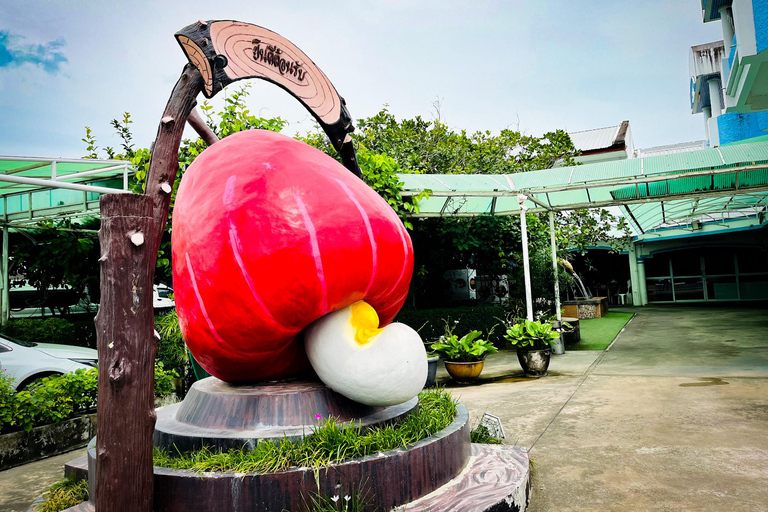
(674, 416)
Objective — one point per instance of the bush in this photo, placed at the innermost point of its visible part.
(171, 351)
(52, 400)
(431, 322)
(60, 397)
(164, 384)
(81, 333)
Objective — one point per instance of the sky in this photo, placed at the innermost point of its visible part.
(530, 65)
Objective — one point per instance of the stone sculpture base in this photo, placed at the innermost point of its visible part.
(219, 415)
(442, 472)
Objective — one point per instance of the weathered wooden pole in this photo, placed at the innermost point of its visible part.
(202, 129)
(131, 232)
(124, 327)
(164, 163)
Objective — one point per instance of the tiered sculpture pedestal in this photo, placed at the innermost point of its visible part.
(443, 472)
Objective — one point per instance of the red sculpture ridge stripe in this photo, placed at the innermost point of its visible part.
(315, 252)
(202, 306)
(234, 241)
(368, 229)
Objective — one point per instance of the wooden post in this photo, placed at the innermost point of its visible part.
(165, 152)
(131, 231)
(126, 345)
(202, 129)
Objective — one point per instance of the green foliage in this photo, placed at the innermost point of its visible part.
(380, 173)
(75, 332)
(57, 254)
(466, 349)
(63, 495)
(52, 400)
(533, 334)
(480, 434)
(164, 384)
(59, 397)
(171, 351)
(430, 322)
(423, 146)
(39, 330)
(329, 442)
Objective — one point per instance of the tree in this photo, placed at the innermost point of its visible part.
(61, 254)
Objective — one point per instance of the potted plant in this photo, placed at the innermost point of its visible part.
(463, 357)
(533, 342)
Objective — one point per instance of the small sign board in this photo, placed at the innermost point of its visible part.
(493, 425)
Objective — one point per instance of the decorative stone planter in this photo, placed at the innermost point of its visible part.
(594, 307)
(22, 447)
(534, 362)
(464, 372)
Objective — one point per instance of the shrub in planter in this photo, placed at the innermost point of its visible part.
(463, 357)
(533, 342)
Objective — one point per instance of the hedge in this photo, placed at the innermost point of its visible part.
(81, 332)
(59, 397)
(431, 322)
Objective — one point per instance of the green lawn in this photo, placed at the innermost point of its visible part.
(598, 333)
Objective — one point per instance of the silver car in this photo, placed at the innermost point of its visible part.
(26, 362)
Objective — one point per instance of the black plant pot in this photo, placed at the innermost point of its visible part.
(534, 362)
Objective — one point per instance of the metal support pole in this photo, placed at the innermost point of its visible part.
(5, 309)
(526, 265)
(560, 347)
(554, 264)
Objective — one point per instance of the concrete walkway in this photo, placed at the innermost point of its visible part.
(674, 416)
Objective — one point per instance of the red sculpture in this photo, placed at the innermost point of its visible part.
(270, 234)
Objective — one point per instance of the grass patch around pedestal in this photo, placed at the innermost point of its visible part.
(598, 333)
(63, 495)
(330, 442)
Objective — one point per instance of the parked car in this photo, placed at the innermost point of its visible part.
(26, 362)
(162, 297)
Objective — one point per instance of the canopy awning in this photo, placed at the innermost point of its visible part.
(655, 191)
(34, 188)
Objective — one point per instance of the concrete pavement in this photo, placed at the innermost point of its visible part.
(673, 417)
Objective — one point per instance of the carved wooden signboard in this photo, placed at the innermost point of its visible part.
(227, 51)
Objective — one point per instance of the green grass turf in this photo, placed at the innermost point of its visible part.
(598, 333)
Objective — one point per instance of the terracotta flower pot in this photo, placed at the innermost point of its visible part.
(534, 362)
(464, 372)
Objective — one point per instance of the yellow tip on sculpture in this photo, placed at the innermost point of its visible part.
(365, 321)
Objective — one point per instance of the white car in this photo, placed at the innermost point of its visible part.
(27, 362)
(162, 297)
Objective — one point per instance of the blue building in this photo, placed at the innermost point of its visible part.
(729, 78)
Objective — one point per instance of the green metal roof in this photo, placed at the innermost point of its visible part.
(667, 189)
(33, 188)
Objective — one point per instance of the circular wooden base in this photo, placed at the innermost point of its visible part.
(392, 478)
(219, 415)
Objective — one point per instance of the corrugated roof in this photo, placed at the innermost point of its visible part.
(37, 188)
(599, 138)
(670, 149)
(677, 179)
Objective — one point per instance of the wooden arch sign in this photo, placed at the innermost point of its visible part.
(225, 51)
(219, 53)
